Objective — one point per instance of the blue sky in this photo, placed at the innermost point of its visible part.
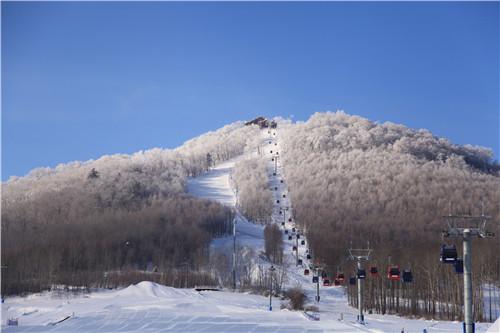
(80, 80)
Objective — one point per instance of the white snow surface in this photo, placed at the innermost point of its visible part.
(149, 307)
(215, 184)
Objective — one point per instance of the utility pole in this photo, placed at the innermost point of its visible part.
(359, 255)
(236, 195)
(271, 270)
(283, 209)
(317, 269)
(5, 267)
(468, 317)
(297, 248)
(234, 253)
(467, 227)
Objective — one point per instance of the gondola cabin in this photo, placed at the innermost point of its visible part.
(294, 248)
(373, 271)
(315, 279)
(448, 254)
(352, 281)
(361, 273)
(407, 276)
(303, 242)
(393, 273)
(340, 277)
(326, 283)
(459, 266)
(306, 272)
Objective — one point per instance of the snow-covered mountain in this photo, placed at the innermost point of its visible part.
(332, 180)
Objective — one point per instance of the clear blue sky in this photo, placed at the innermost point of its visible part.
(80, 80)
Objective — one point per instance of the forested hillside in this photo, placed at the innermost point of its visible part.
(250, 180)
(120, 179)
(354, 181)
(350, 181)
(73, 223)
(383, 176)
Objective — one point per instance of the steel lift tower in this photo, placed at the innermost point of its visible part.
(359, 255)
(467, 227)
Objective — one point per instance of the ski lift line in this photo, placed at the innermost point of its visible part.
(283, 212)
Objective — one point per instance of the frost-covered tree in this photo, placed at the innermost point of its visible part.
(254, 196)
(353, 180)
(111, 196)
(273, 241)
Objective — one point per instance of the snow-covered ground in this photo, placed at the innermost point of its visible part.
(148, 307)
(215, 185)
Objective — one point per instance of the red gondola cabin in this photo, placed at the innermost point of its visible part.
(393, 273)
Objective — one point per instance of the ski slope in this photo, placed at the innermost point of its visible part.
(149, 307)
(215, 184)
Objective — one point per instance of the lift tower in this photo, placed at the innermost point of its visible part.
(359, 255)
(467, 227)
